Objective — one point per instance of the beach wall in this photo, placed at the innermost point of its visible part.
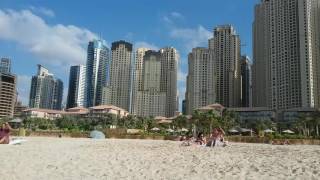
(110, 133)
(53, 133)
(122, 134)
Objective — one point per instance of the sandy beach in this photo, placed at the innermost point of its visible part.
(67, 158)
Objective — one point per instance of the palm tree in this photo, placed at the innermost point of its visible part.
(303, 123)
(180, 122)
(228, 120)
(315, 121)
(195, 120)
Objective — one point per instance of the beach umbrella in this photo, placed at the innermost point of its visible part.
(288, 131)
(268, 131)
(184, 130)
(155, 129)
(233, 131)
(245, 130)
(97, 135)
(170, 130)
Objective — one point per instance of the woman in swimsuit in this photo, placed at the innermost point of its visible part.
(5, 133)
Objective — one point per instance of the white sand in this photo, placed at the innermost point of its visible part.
(53, 158)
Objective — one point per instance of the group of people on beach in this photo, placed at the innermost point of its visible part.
(5, 133)
(216, 139)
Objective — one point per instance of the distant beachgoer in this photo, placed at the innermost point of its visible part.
(286, 142)
(188, 141)
(2, 130)
(201, 140)
(183, 138)
(221, 139)
(5, 133)
(217, 138)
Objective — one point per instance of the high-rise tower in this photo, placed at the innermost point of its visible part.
(137, 77)
(76, 91)
(150, 100)
(200, 80)
(168, 83)
(286, 54)
(120, 74)
(246, 92)
(97, 66)
(5, 65)
(226, 47)
(46, 91)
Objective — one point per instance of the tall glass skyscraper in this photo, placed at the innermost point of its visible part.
(5, 65)
(246, 92)
(97, 72)
(76, 91)
(46, 91)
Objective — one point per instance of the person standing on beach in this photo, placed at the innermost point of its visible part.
(5, 133)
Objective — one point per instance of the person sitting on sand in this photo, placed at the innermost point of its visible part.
(213, 137)
(286, 142)
(188, 141)
(183, 138)
(221, 137)
(201, 140)
(5, 133)
(217, 138)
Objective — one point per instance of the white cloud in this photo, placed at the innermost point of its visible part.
(57, 45)
(43, 10)
(23, 88)
(182, 76)
(171, 17)
(177, 15)
(191, 37)
(140, 44)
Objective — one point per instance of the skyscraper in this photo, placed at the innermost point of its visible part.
(7, 94)
(226, 47)
(97, 70)
(184, 108)
(246, 93)
(76, 91)
(151, 101)
(200, 80)
(137, 77)
(168, 82)
(5, 65)
(120, 74)
(286, 54)
(46, 91)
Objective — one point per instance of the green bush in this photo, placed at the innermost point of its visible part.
(78, 134)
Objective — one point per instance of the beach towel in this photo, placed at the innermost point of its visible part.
(17, 141)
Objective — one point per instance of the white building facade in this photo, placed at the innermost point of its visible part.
(120, 75)
(169, 74)
(226, 47)
(286, 54)
(200, 80)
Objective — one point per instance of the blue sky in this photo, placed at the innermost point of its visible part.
(55, 33)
